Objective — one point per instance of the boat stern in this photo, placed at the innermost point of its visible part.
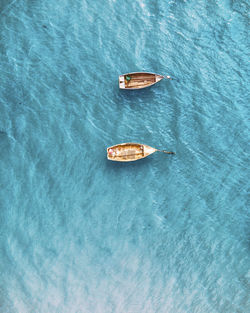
(111, 153)
(108, 154)
(122, 82)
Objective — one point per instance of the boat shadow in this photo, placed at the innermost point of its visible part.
(140, 97)
(120, 166)
(141, 94)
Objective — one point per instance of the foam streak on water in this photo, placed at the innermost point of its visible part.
(79, 233)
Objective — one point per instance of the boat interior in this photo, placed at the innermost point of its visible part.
(138, 80)
(128, 152)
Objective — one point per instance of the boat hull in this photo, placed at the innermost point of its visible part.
(127, 152)
(138, 80)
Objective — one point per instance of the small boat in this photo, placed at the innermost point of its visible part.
(126, 152)
(139, 80)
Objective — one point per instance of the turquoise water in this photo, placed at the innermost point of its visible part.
(167, 234)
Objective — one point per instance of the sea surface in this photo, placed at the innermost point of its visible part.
(81, 234)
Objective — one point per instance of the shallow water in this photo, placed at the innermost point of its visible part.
(79, 233)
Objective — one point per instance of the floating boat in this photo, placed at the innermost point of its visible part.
(126, 152)
(139, 80)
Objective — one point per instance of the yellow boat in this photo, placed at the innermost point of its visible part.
(126, 152)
